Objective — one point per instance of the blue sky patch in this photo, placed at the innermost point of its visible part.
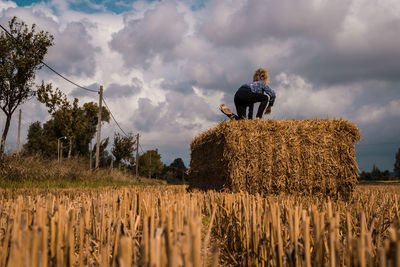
(27, 3)
(90, 6)
(96, 6)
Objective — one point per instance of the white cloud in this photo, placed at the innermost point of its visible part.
(157, 33)
(7, 4)
(242, 22)
(72, 53)
(297, 98)
(375, 113)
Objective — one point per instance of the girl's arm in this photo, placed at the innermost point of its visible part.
(267, 110)
(268, 91)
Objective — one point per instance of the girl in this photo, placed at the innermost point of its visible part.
(248, 94)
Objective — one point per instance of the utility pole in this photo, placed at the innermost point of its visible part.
(150, 164)
(137, 155)
(90, 156)
(19, 132)
(59, 156)
(99, 126)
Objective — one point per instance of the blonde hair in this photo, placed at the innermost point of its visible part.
(261, 75)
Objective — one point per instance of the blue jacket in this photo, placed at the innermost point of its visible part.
(261, 88)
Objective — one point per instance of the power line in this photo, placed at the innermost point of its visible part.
(81, 87)
(68, 80)
(141, 148)
(50, 68)
(112, 116)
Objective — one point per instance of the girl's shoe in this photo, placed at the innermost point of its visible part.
(227, 111)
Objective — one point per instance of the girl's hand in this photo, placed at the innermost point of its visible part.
(267, 111)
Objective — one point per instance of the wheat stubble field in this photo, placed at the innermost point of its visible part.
(167, 226)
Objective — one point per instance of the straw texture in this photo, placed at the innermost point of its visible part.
(271, 156)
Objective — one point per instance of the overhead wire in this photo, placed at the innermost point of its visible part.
(112, 116)
(141, 148)
(65, 78)
(50, 68)
(68, 80)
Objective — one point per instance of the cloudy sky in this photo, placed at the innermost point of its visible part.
(167, 65)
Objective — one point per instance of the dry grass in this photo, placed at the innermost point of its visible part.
(270, 156)
(165, 226)
(38, 172)
(100, 227)
(308, 231)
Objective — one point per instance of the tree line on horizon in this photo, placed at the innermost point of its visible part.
(42, 141)
(377, 174)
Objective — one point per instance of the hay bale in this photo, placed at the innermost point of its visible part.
(272, 156)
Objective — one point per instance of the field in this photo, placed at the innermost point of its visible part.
(167, 226)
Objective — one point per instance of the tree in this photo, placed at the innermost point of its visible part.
(179, 169)
(397, 164)
(123, 147)
(35, 138)
(365, 176)
(78, 124)
(20, 56)
(175, 171)
(104, 157)
(375, 173)
(150, 164)
(386, 174)
(90, 113)
(42, 140)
